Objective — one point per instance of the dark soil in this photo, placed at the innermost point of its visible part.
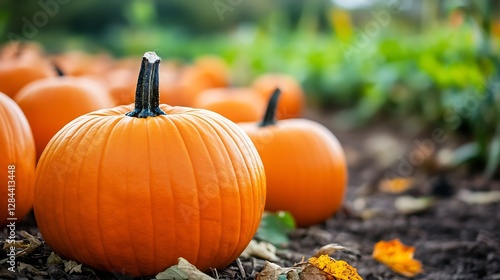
(453, 239)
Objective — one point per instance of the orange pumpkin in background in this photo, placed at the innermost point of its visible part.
(189, 83)
(21, 64)
(305, 166)
(214, 69)
(206, 72)
(17, 161)
(143, 185)
(291, 104)
(236, 104)
(51, 103)
(79, 63)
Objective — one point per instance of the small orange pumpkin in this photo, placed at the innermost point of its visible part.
(17, 162)
(214, 69)
(142, 186)
(305, 166)
(236, 104)
(292, 99)
(51, 103)
(22, 67)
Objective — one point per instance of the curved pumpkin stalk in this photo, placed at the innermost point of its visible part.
(147, 94)
(270, 116)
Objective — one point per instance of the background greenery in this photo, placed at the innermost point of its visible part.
(434, 64)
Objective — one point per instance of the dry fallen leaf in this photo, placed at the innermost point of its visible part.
(331, 248)
(183, 270)
(192, 271)
(262, 250)
(398, 257)
(31, 269)
(339, 269)
(395, 185)
(54, 259)
(311, 272)
(271, 271)
(72, 267)
(481, 198)
(412, 205)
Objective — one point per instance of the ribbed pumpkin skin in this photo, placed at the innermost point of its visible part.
(132, 195)
(17, 147)
(305, 168)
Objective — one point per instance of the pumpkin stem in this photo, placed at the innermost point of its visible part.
(58, 69)
(19, 49)
(147, 93)
(270, 116)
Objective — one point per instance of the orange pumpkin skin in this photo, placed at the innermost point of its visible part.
(142, 192)
(236, 104)
(214, 70)
(17, 148)
(51, 103)
(16, 71)
(305, 167)
(292, 100)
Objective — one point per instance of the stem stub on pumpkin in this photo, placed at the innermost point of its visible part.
(270, 116)
(147, 94)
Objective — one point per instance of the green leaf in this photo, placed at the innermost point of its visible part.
(465, 153)
(493, 160)
(274, 227)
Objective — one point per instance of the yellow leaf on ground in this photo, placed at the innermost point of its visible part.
(339, 269)
(396, 185)
(398, 257)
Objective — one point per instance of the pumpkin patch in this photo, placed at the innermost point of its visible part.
(142, 185)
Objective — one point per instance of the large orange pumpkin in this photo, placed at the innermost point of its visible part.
(236, 104)
(292, 101)
(51, 103)
(22, 67)
(132, 189)
(305, 166)
(17, 162)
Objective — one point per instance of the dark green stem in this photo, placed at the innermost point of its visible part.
(147, 94)
(270, 116)
(59, 71)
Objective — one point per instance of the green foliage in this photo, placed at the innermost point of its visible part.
(275, 227)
